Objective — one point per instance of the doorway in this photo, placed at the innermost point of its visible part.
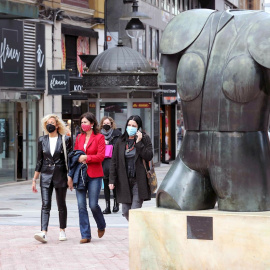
(20, 108)
(167, 133)
(26, 139)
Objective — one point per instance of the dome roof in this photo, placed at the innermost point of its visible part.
(120, 68)
(120, 59)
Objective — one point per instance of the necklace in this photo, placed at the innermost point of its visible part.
(131, 148)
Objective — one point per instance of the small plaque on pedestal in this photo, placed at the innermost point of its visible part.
(199, 228)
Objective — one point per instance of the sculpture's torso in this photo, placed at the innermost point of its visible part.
(223, 70)
(222, 88)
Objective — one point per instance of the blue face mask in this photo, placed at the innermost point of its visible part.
(131, 130)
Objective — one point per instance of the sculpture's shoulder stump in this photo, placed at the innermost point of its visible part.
(183, 30)
(259, 40)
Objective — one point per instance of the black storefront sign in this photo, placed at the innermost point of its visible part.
(76, 84)
(169, 90)
(11, 53)
(40, 55)
(58, 82)
(169, 94)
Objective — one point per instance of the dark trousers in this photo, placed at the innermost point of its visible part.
(136, 201)
(107, 190)
(46, 196)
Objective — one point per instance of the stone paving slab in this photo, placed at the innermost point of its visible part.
(19, 250)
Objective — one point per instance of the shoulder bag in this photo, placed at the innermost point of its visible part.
(151, 177)
(109, 149)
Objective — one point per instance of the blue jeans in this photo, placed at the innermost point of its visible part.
(93, 187)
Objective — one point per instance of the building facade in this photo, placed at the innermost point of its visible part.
(34, 37)
(22, 84)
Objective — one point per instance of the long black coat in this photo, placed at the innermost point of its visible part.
(118, 173)
(52, 168)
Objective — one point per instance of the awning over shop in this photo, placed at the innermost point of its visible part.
(12, 10)
(73, 30)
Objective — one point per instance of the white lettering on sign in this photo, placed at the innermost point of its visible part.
(54, 82)
(8, 53)
(77, 88)
(40, 57)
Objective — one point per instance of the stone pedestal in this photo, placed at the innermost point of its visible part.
(168, 239)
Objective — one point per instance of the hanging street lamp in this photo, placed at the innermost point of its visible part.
(135, 27)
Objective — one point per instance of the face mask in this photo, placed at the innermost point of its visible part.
(51, 128)
(106, 127)
(131, 131)
(86, 128)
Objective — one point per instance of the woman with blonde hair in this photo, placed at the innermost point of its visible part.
(111, 134)
(52, 169)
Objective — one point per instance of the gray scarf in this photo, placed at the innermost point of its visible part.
(107, 134)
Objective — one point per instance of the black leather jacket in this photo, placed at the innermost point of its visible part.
(52, 168)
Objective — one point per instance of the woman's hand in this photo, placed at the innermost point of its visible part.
(70, 183)
(139, 136)
(34, 189)
(82, 159)
(111, 186)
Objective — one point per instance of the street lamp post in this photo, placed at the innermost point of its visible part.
(135, 27)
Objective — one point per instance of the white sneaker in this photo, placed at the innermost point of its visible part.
(41, 237)
(62, 236)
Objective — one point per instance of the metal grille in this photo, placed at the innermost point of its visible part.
(29, 31)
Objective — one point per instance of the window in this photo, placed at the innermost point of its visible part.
(174, 9)
(186, 5)
(179, 7)
(165, 4)
(154, 47)
(72, 47)
(116, 110)
(168, 5)
(141, 44)
(250, 4)
(162, 4)
(71, 54)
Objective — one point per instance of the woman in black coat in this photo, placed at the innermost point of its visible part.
(51, 167)
(127, 172)
(111, 134)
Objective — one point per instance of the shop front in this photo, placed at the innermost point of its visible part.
(118, 87)
(18, 138)
(22, 83)
(168, 128)
(119, 106)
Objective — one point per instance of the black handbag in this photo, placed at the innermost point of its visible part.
(151, 177)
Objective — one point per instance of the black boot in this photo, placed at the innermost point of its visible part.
(108, 208)
(115, 206)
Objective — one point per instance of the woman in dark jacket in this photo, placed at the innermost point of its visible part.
(51, 166)
(111, 134)
(127, 172)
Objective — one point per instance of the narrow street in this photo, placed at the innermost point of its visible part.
(20, 219)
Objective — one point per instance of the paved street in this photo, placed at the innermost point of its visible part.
(20, 219)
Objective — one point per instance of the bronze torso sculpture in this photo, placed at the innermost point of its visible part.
(221, 64)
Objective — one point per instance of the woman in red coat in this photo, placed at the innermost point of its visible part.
(92, 143)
